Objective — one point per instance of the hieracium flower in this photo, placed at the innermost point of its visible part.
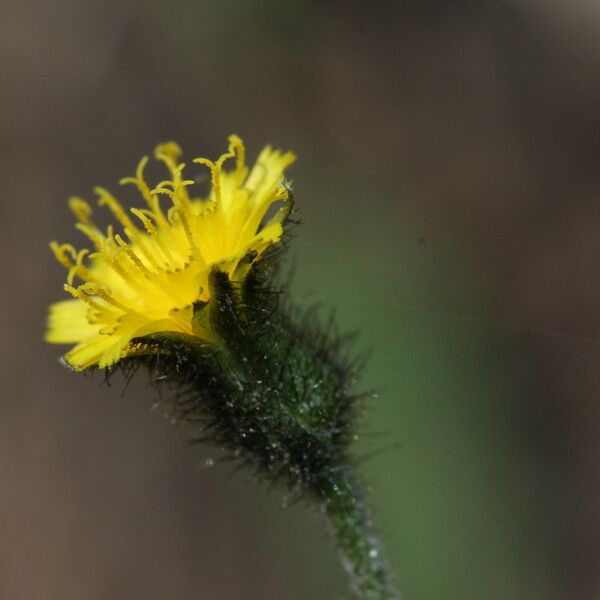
(149, 278)
(186, 285)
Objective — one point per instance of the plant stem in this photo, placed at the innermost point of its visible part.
(358, 545)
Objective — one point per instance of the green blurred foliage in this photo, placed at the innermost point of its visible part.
(453, 488)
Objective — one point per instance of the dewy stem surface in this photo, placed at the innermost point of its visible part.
(358, 545)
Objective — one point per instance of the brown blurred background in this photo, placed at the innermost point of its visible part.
(449, 187)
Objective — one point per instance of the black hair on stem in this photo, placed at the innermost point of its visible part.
(276, 392)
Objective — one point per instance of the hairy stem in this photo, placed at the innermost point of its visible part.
(276, 392)
(358, 545)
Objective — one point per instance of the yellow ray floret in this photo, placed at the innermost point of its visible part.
(145, 278)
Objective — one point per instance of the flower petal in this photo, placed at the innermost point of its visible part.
(68, 323)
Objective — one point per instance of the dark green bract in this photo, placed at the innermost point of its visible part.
(276, 392)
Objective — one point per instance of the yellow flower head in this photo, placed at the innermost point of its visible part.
(147, 278)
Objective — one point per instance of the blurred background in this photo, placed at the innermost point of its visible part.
(449, 190)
